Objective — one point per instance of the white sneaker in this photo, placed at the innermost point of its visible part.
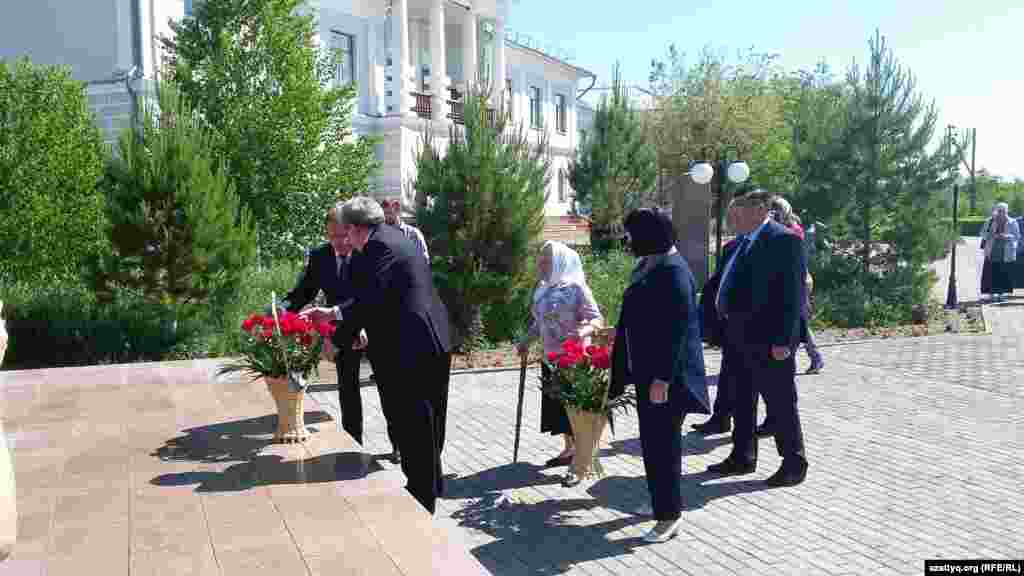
(663, 530)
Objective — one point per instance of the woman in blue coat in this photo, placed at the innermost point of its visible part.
(658, 349)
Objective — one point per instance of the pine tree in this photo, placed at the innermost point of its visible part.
(615, 166)
(882, 183)
(178, 233)
(481, 207)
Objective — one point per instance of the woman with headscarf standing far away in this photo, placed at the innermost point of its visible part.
(1000, 238)
(658, 349)
(562, 307)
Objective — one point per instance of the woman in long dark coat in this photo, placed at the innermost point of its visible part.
(658, 349)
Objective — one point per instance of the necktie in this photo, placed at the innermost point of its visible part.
(343, 268)
(721, 302)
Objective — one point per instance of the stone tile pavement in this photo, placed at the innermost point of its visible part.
(916, 449)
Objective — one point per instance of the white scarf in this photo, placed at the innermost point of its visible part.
(566, 269)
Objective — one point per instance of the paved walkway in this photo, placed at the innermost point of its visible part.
(968, 271)
(916, 449)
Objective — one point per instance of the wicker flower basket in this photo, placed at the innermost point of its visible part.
(587, 430)
(291, 422)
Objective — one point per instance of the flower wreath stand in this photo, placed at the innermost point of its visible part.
(282, 350)
(583, 371)
(291, 422)
(587, 430)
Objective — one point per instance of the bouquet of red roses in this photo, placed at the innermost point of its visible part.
(280, 345)
(580, 375)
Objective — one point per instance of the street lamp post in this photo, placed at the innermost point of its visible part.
(951, 302)
(735, 172)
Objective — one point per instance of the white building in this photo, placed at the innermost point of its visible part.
(391, 49)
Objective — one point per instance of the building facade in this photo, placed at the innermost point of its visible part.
(412, 60)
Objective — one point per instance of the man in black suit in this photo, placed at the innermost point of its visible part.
(714, 334)
(405, 321)
(759, 298)
(328, 269)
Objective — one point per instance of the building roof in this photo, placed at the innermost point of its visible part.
(547, 56)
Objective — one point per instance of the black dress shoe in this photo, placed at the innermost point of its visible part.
(730, 467)
(713, 426)
(764, 430)
(788, 475)
(558, 461)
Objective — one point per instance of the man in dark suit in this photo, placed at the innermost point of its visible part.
(328, 269)
(760, 297)
(714, 334)
(405, 321)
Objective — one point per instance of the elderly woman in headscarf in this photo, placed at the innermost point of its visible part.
(562, 307)
(1000, 236)
(658, 350)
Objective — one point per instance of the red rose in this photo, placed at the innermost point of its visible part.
(601, 360)
(306, 339)
(572, 345)
(552, 356)
(248, 323)
(268, 333)
(325, 329)
(591, 350)
(565, 361)
(267, 321)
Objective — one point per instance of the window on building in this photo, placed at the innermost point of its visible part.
(188, 7)
(344, 44)
(536, 116)
(561, 114)
(563, 186)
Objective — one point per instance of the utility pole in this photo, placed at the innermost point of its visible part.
(974, 183)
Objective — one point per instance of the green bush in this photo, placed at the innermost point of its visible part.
(51, 159)
(608, 276)
(969, 225)
(846, 297)
(177, 232)
(63, 325)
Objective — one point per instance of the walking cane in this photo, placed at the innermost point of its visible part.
(519, 408)
(519, 404)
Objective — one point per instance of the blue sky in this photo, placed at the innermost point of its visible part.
(967, 55)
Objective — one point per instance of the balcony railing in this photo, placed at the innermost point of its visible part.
(422, 107)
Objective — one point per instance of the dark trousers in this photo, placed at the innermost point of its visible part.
(662, 446)
(757, 372)
(385, 402)
(419, 397)
(349, 397)
(553, 417)
(722, 409)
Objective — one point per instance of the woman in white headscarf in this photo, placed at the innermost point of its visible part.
(563, 307)
(1000, 236)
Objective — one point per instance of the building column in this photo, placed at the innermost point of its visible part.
(375, 72)
(401, 81)
(470, 52)
(438, 62)
(498, 77)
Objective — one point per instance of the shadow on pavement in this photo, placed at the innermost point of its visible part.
(241, 442)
